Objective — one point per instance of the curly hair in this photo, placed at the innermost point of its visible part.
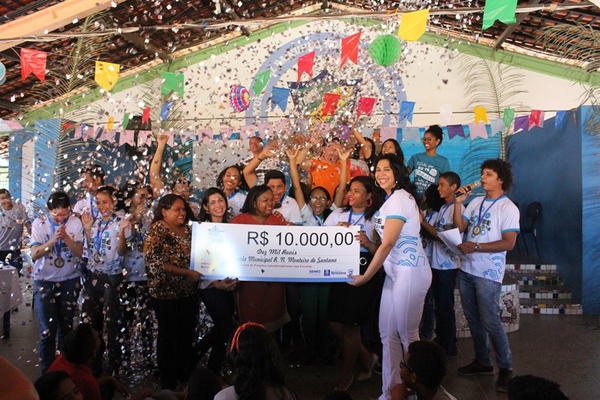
(503, 169)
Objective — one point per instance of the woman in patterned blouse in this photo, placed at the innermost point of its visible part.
(172, 287)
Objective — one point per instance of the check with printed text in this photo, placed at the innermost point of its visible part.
(275, 253)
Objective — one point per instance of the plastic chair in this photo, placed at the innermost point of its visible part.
(529, 224)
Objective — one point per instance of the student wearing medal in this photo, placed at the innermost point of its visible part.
(105, 243)
(492, 225)
(56, 246)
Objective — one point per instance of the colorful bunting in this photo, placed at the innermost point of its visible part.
(172, 83)
(106, 74)
(536, 119)
(497, 126)
(350, 47)
(501, 10)
(411, 133)
(508, 116)
(445, 114)
(330, 101)
(264, 129)
(144, 138)
(406, 111)
(33, 61)
(110, 123)
(480, 114)
(106, 135)
(305, 64)
(559, 119)
(166, 110)
(127, 137)
(146, 115)
(365, 106)
(455, 130)
(388, 132)
(521, 123)
(261, 81)
(279, 97)
(477, 129)
(246, 132)
(413, 25)
(125, 120)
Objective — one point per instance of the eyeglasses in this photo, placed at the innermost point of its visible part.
(405, 365)
(315, 198)
(428, 139)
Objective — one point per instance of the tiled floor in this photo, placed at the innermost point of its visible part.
(562, 348)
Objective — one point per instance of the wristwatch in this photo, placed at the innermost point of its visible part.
(477, 247)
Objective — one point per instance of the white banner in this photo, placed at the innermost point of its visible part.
(275, 253)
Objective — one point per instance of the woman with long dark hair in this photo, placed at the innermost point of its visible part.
(350, 307)
(408, 275)
(216, 295)
(173, 290)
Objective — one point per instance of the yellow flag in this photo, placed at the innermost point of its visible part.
(413, 25)
(481, 114)
(109, 125)
(107, 74)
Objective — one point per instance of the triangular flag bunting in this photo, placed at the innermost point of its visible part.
(279, 97)
(481, 114)
(478, 130)
(110, 123)
(536, 119)
(501, 10)
(330, 101)
(146, 115)
(406, 111)
(508, 116)
(107, 74)
(559, 119)
(305, 64)
(350, 47)
(33, 61)
(413, 25)
(365, 106)
(261, 81)
(388, 132)
(455, 130)
(521, 123)
(411, 133)
(127, 136)
(172, 83)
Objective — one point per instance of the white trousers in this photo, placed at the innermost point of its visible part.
(402, 301)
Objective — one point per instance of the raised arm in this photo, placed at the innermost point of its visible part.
(295, 177)
(338, 199)
(156, 180)
(365, 147)
(250, 169)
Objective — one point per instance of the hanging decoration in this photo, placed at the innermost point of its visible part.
(330, 101)
(2, 73)
(406, 111)
(33, 61)
(480, 114)
(501, 10)
(172, 83)
(106, 74)
(239, 98)
(305, 64)
(385, 50)
(350, 47)
(413, 25)
(365, 106)
(261, 81)
(536, 119)
(279, 97)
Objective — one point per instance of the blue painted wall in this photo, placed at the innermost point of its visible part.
(547, 166)
(590, 151)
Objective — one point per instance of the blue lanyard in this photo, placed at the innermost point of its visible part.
(480, 216)
(358, 220)
(99, 232)
(58, 245)
(93, 209)
(319, 220)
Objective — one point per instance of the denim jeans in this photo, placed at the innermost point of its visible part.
(55, 303)
(481, 304)
(219, 304)
(443, 284)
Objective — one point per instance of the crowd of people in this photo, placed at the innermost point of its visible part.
(124, 254)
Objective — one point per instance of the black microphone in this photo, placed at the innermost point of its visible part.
(468, 188)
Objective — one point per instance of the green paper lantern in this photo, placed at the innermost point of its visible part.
(385, 50)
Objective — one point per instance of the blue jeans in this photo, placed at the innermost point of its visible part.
(480, 300)
(443, 284)
(55, 303)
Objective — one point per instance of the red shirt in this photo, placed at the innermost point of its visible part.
(82, 376)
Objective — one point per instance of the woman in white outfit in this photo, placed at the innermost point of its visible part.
(408, 275)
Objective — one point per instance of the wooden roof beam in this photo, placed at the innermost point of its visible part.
(511, 28)
(140, 42)
(50, 19)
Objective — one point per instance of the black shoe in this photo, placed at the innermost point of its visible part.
(476, 369)
(504, 376)
(6, 335)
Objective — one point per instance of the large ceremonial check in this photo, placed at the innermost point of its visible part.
(275, 253)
